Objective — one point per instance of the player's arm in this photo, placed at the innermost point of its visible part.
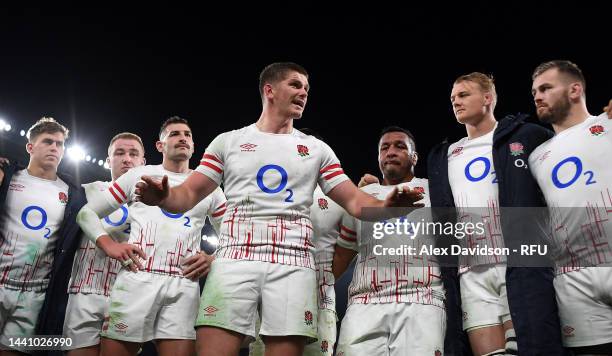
(178, 199)
(346, 245)
(101, 204)
(342, 259)
(3, 163)
(353, 200)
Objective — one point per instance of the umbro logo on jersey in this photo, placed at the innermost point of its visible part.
(597, 130)
(516, 149)
(544, 156)
(248, 147)
(302, 150)
(568, 330)
(63, 198)
(210, 310)
(16, 187)
(457, 151)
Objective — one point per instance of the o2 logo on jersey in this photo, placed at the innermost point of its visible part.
(121, 221)
(283, 183)
(476, 177)
(177, 216)
(31, 211)
(577, 163)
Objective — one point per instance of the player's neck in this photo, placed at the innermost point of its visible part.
(181, 166)
(398, 180)
(482, 127)
(577, 115)
(273, 122)
(42, 172)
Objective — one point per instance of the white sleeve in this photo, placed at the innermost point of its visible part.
(212, 163)
(101, 203)
(90, 224)
(330, 173)
(348, 233)
(217, 208)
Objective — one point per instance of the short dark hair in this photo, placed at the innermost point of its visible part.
(276, 72)
(311, 132)
(563, 66)
(127, 136)
(46, 125)
(172, 120)
(388, 129)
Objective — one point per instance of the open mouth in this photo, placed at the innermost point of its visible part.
(299, 103)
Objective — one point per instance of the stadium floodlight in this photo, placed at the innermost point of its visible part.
(106, 165)
(7, 127)
(76, 153)
(22, 133)
(88, 158)
(100, 162)
(2, 124)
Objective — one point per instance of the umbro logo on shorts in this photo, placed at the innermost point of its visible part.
(248, 147)
(210, 310)
(121, 326)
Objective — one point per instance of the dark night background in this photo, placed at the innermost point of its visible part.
(101, 71)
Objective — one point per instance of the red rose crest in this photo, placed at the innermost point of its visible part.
(63, 198)
(516, 148)
(302, 150)
(596, 130)
(323, 203)
(308, 317)
(324, 346)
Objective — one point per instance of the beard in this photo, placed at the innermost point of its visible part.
(557, 112)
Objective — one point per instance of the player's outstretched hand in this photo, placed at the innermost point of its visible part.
(367, 179)
(151, 191)
(403, 196)
(197, 266)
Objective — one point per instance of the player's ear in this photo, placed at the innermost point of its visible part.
(29, 147)
(160, 146)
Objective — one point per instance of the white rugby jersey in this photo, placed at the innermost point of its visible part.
(472, 179)
(29, 229)
(326, 218)
(167, 239)
(269, 180)
(92, 270)
(573, 170)
(392, 278)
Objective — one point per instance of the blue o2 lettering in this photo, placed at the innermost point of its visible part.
(281, 186)
(121, 221)
(468, 173)
(177, 216)
(26, 212)
(263, 171)
(170, 215)
(577, 163)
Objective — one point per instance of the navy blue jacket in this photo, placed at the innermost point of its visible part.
(531, 295)
(51, 317)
